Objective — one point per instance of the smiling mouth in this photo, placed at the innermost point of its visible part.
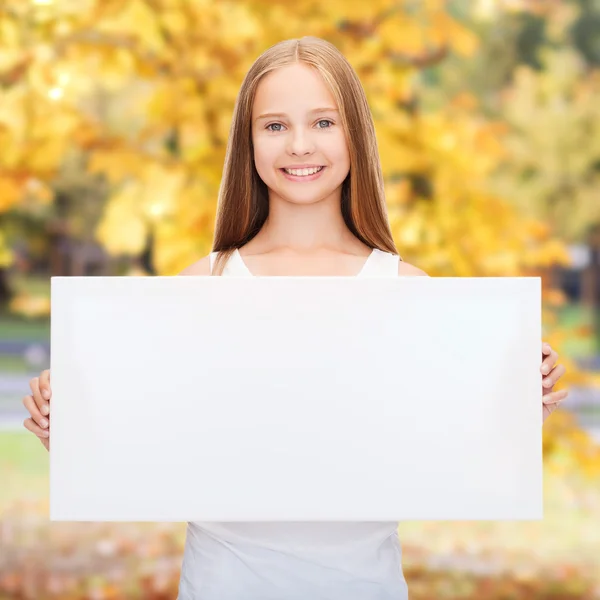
(303, 172)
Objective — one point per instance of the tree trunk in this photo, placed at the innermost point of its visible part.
(5, 292)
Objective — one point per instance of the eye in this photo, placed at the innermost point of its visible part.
(329, 123)
(274, 125)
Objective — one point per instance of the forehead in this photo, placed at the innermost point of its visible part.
(292, 88)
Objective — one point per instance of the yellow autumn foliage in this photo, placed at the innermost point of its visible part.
(161, 80)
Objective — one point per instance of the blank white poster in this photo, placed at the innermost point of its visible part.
(295, 399)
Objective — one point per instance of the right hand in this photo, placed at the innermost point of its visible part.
(38, 405)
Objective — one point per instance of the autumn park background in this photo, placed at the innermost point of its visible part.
(114, 116)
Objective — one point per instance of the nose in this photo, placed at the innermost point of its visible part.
(300, 143)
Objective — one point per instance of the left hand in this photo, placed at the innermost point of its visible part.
(551, 373)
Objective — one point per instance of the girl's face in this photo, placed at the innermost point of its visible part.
(300, 148)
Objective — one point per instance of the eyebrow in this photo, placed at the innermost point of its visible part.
(312, 112)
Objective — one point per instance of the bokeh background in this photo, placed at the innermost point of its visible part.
(114, 117)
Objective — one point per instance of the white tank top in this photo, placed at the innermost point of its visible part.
(295, 561)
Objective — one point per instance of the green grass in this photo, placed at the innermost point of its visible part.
(13, 364)
(13, 327)
(24, 467)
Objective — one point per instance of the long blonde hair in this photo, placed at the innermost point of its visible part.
(243, 204)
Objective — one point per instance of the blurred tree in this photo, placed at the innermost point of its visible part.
(148, 100)
(532, 74)
(515, 34)
(585, 30)
(553, 165)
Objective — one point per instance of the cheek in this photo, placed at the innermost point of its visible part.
(337, 147)
(265, 155)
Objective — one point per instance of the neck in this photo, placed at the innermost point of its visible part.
(304, 227)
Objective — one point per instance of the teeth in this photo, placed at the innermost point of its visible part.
(303, 172)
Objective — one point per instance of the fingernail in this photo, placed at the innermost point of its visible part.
(45, 409)
(547, 382)
(45, 434)
(544, 368)
(43, 423)
(46, 394)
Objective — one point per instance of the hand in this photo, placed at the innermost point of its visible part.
(38, 405)
(550, 375)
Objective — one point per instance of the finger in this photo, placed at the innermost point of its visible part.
(549, 362)
(45, 388)
(555, 397)
(42, 405)
(554, 376)
(37, 417)
(546, 348)
(548, 409)
(30, 425)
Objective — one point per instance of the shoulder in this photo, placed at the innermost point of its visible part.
(200, 267)
(408, 270)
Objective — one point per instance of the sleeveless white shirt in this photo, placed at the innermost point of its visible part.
(295, 561)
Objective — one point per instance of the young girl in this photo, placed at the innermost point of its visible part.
(302, 194)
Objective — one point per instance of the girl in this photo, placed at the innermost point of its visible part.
(301, 194)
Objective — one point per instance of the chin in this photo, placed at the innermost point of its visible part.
(306, 200)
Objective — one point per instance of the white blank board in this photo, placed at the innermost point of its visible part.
(295, 399)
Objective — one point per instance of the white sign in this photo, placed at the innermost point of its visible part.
(295, 399)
